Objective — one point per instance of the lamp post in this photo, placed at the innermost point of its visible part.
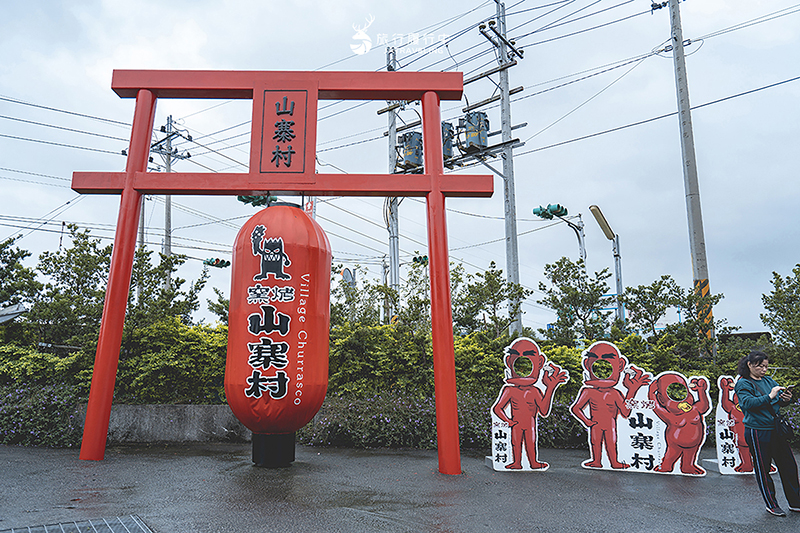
(558, 210)
(614, 238)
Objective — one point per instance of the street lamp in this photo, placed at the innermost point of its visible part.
(560, 211)
(614, 238)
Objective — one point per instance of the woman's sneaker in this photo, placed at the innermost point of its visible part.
(777, 511)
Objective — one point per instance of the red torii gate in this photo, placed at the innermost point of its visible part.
(263, 87)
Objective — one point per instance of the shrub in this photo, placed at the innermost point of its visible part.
(366, 360)
(45, 415)
(394, 420)
(170, 362)
(389, 420)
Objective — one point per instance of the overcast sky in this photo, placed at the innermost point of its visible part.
(589, 67)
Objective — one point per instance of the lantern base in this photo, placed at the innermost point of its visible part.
(273, 451)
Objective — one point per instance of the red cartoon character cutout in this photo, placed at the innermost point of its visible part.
(601, 402)
(684, 418)
(521, 401)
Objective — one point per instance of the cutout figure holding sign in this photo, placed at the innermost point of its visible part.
(605, 401)
(526, 402)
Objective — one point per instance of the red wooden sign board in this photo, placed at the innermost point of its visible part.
(282, 161)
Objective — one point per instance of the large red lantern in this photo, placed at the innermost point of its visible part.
(276, 374)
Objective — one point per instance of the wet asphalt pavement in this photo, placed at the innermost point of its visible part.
(216, 488)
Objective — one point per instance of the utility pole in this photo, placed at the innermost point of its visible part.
(141, 247)
(392, 215)
(697, 242)
(164, 147)
(509, 191)
(506, 50)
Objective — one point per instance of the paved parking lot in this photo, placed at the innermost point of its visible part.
(215, 488)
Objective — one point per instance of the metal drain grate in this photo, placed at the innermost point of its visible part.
(120, 524)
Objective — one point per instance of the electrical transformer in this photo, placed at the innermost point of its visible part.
(475, 126)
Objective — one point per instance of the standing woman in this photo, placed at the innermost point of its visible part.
(760, 399)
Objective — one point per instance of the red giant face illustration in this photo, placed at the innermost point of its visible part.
(523, 348)
(603, 351)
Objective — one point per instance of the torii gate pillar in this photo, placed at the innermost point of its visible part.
(267, 89)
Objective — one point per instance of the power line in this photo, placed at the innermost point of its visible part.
(585, 30)
(563, 22)
(35, 174)
(653, 119)
(63, 128)
(21, 102)
(200, 214)
(601, 91)
(535, 8)
(435, 25)
(60, 144)
(752, 22)
(607, 67)
(478, 245)
(63, 207)
(20, 180)
(560, 6)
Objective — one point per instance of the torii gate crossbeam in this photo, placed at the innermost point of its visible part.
(267, 89)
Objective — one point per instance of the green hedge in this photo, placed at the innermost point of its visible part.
(392, 420)
(380, 392)
(40, 415)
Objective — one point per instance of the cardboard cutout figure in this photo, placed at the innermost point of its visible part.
(733, 453)
(521, 401)
(685, 430)
(601, 401)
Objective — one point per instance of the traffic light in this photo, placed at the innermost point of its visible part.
(421, 259)
(551, 211)
(219, 263)
(258, 201)
(542, 212)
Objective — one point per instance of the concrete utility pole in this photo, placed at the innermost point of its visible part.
(392, 216)
(141, 247)
(697, 242)
(509, 191)
(168, 198)
(164, 147)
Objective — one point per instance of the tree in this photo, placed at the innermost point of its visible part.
(150, 299)
(783, 308)
(17, 283)
(690, 337)
(414, 301)
(578, 301)
(465, 308)
(647, 304)
(220, 307)
(490, 303)
(68, 309)
(699, 332)
(349, 305)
